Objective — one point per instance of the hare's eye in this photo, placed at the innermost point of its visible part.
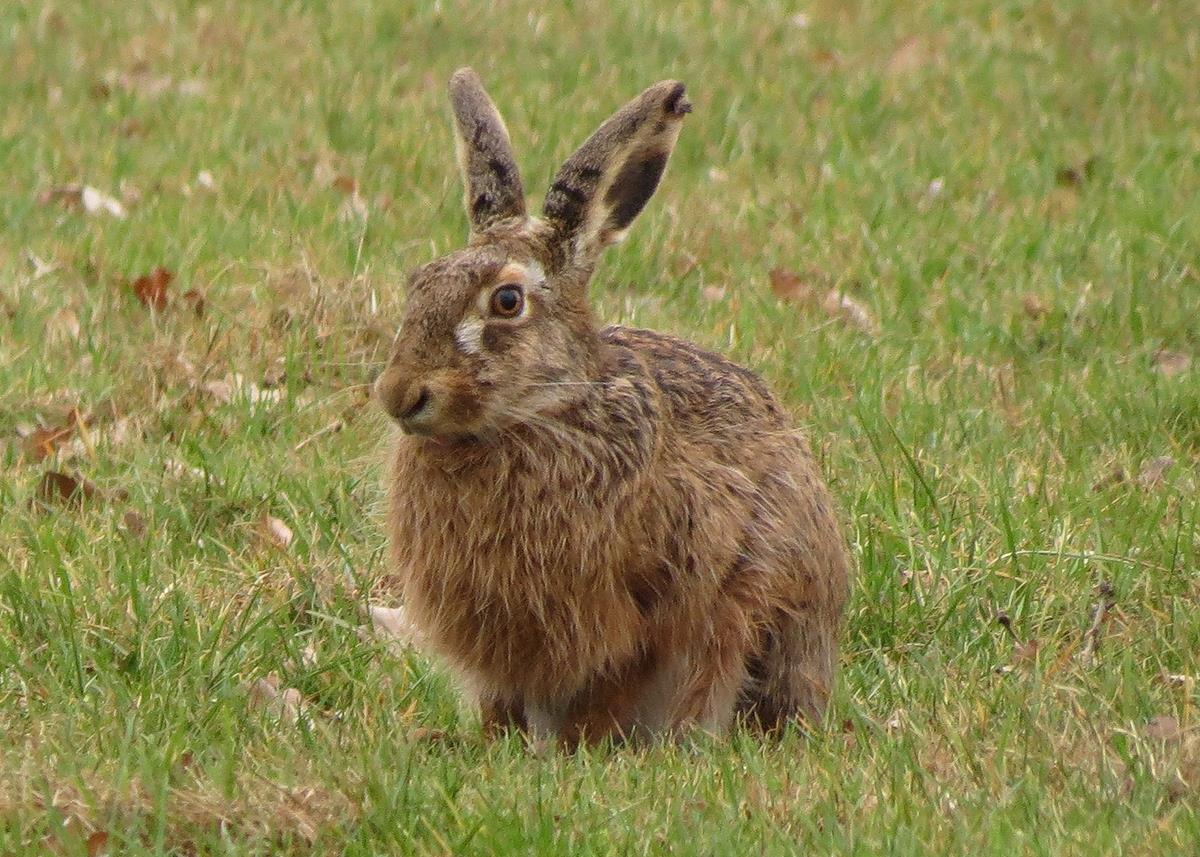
(507, 301)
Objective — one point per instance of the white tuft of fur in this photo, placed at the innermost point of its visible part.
(469, 335)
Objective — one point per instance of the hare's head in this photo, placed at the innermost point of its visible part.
(500, 332)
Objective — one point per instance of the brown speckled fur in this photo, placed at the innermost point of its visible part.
(605, 532)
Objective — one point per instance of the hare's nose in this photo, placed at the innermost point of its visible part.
(413, 403)
(401, 398)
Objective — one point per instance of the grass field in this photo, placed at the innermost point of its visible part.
(1008, 195)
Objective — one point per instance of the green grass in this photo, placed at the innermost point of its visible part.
(1025, 311)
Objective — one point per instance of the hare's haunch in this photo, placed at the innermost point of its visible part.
(605, 532)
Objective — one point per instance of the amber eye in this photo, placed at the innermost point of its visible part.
(507, 301)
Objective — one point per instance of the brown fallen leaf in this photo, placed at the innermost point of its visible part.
(97, 843)
(684, 264)
(194, 298)
(346, 184)
(825, 58)
(1115, 476)
(39, 265)
(1024, 653)
(83, 197)
(142, 81)
(393, 623)
(151, 289)
(177, 469)
(67, 490)
(131, 127)
(1179, 680)
(274, 375)
(1171, 363)
(793, 288)
(134, 524)
(235, 386)
(354, 208)
(789, 286)
(1153, 470)
(911, 54)
(264, 694)
(44, 442)
(275, 531)
(842, 305)
(1164, 728)
(1034, 306)
(1074, 176)
(64, 324)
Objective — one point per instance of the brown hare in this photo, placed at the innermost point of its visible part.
(605, 532)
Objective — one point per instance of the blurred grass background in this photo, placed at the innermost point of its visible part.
(1008, 190)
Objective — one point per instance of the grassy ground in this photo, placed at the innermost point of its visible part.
(1008, 188)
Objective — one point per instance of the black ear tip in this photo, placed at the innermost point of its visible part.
(676, 104)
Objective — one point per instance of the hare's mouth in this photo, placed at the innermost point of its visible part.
(449, 441)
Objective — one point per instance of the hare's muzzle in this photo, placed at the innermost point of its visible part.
(407, 400)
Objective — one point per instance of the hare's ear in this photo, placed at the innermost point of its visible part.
(601, 188)
(485, 157)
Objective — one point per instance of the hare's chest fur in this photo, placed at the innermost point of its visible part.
(507, 558)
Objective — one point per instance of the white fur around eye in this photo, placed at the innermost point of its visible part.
(469, 335)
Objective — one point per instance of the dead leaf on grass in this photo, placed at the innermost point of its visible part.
(40, 267)
(194, 298)
(151, 289)
(97, 843)
(42, 443)
(835, 303)
(1076, 175)
(393, 623)
(1026, 653)
(265, 695)
(1115, 476)
(1153, 470)
(1034, 306)
(1164, 728)
(354, 208)
(234, 386)
(179, 470)
(275, 531)
(841, 305)
(275, 375)
(684, 263)
(85, 198)
(789, 286)
(145, 83)
(65, 489)
(1171, 363)
(64, 325)
(134, 523)
(911, 54)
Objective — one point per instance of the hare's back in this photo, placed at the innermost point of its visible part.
(699, 387)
